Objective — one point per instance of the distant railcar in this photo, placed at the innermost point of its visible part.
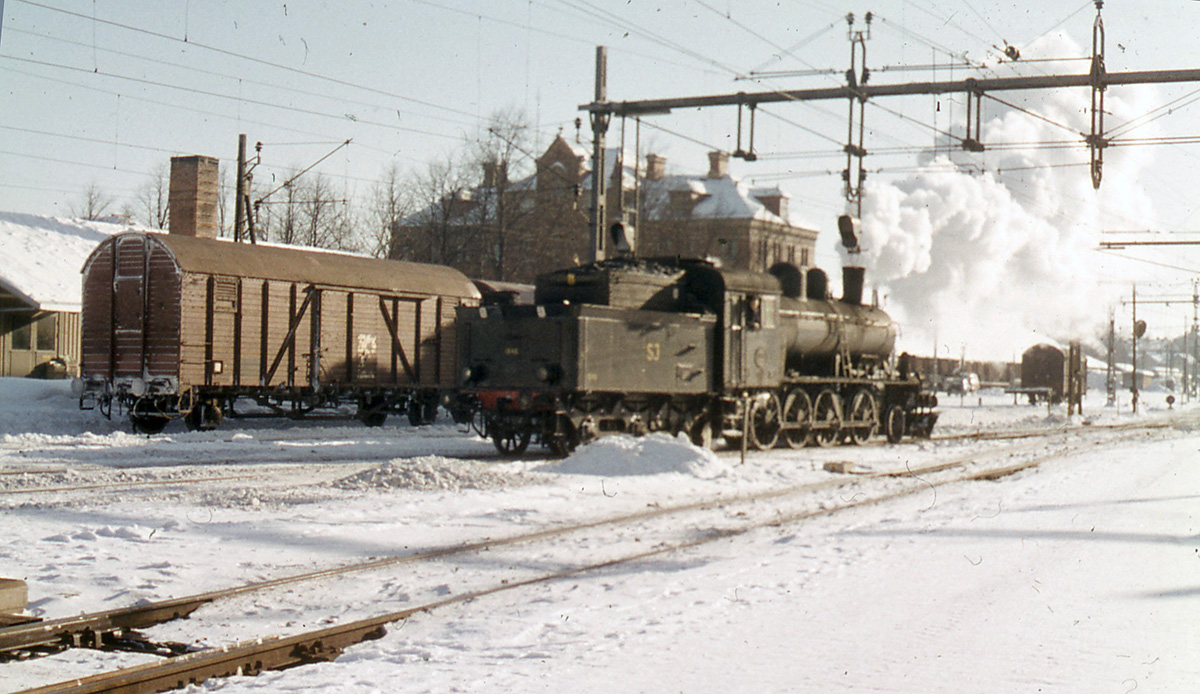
(1045, 374)
(181, 327)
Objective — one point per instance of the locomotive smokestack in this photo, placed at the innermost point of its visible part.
(852, 285)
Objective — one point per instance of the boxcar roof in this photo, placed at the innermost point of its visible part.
(311, 266)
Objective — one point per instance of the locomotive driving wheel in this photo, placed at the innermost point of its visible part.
(827, 418)
(894, 423)
(511, 441)
(565, 438)
(797, 414)
(701, 432)
(863, 417)
(765, 421)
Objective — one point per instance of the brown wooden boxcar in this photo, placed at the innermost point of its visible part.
(175, 326)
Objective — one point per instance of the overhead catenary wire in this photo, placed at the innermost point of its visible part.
(219, 95)
(241, 56)
(191, 68)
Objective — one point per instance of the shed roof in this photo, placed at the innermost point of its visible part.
(43, 256)
(311, 266)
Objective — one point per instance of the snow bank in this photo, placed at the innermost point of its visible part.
(647, 455)
(34, 406)
(430, 472)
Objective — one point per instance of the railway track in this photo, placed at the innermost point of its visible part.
(277, 652)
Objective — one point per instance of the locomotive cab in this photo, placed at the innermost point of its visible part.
(620, 346)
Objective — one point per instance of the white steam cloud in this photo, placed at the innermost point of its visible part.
(994, 262)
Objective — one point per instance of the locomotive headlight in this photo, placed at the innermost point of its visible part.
(474, 374)
(548, 373)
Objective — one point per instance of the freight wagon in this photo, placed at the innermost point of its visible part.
(182, 327)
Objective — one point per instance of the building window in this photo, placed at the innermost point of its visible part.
(22, 332)
(45, 329)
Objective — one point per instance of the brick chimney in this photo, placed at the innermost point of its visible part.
(656, 167)
(774, 199)
(193, 197)
(495, 174)
(718, 164)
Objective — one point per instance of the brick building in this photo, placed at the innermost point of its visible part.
(515, 230)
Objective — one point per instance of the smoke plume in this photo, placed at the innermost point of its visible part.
(992, 262)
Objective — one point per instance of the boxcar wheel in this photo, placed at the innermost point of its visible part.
(422, 412)
(148, 424)
(205, 416)
(373, 419)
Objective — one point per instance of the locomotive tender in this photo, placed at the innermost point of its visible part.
(183, 327)
(683, 346)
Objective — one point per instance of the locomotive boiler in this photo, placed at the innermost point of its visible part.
(684, 346)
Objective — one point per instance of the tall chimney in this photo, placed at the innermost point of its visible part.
(656, 167)
(718, 164)
(193, 196)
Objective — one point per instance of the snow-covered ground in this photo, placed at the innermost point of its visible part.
(1080, 576)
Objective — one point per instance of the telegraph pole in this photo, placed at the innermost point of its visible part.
(1110, 380)
(239, 203)
(1133, 387)
(600, 120)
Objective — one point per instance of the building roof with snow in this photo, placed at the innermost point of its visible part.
(43, 257)
(715, 195)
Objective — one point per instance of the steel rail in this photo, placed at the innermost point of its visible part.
(91, 629)
(127, 485)
(272, 653)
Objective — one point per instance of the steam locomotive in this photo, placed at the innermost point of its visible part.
(183, 328)
(674, 345)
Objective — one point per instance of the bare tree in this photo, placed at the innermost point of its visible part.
(93, 203)
(153, 198)
(317, 208)
(280, 216)
(436, 233)
(391, 201)
(500, 150)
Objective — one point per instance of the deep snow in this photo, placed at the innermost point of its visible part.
(1080, 576)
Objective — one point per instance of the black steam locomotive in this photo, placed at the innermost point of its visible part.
(644, 345)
